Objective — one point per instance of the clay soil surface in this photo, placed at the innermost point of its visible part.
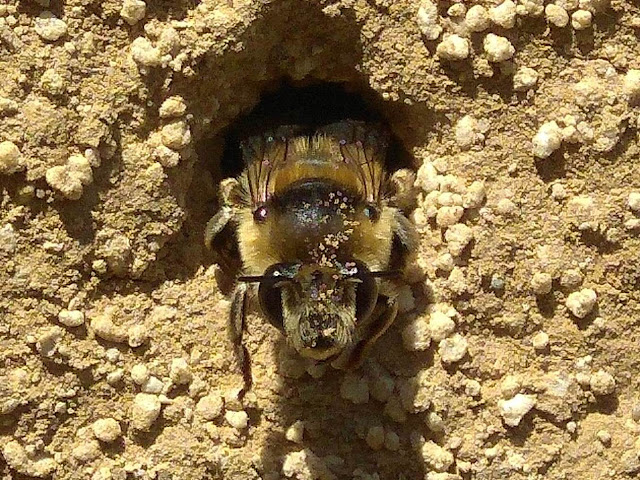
(515, 355)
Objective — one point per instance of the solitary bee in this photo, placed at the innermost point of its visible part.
(321, 237)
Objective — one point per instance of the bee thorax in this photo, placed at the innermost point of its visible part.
(321, 215)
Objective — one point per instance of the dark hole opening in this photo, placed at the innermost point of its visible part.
(310, 106)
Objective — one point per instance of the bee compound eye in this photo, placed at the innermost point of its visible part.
(371, 212)
(260, 214)
(366, 297)
(271, 304)
(270, 291)
(270, 297)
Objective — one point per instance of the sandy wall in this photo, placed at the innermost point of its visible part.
(516, 353)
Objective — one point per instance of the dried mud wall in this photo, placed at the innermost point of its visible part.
(516, 354)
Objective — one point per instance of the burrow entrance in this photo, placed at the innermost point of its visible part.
(310, 104)
(302, 63)
(294, 63)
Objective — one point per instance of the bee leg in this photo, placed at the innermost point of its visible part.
(383, 315)
(405, 242)
(217, 224)
(405, 232)
(236, 329)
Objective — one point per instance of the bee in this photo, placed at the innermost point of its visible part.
(321, 235)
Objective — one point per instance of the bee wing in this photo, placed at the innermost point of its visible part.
(263, 155)
(363, 147)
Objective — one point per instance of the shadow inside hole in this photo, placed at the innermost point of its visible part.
(310, 105)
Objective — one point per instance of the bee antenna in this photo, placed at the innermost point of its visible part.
(252, 278)
(260, 278)
(384, 274)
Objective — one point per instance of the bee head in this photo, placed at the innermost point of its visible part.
(319, 308)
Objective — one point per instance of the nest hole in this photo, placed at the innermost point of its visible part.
(294, 64)
(311, 105)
